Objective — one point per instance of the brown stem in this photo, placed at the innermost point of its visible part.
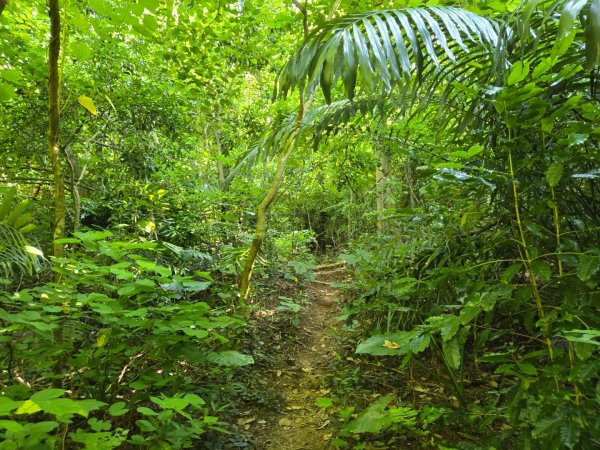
(261, 226)
(304, 12)
(76, 176)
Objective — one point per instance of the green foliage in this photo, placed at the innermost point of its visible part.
(117, 309)
(17, 255)
(486, 262)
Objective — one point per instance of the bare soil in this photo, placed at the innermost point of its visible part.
(298, 376)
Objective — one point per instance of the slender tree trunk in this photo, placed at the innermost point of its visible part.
(261, 226)
(220, 165)
(76, 177)
(381, 172)
(263, 207)
(3, 4)
(58, 225)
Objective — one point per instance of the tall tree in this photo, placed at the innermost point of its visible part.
(58, 225)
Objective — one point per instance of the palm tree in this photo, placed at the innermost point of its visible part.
(407, 57)
(376, 54)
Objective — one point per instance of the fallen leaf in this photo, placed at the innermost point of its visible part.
(246, 421)
(285, 422)
(324, 425)
(390, 344)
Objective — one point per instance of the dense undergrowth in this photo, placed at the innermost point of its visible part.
(450, 159)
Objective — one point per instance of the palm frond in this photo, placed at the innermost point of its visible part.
(17, 256)
(389, 48)
(547, 28)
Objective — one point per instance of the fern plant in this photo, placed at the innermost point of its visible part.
(17, 256)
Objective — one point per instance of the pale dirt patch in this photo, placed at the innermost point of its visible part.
(300, 424)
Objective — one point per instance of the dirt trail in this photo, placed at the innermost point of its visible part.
(301, 424)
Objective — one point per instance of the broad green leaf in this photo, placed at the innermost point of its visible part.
(101, 7)
(544, 66)
(47, 394)
(527, 368)
(8, 405)
(194, 400)
(584, 336)
(474, 150)
(88, 104)
(12, 75)
(570, 430)
(197, 333)
(518, 73)
(511, 272)
(584, 350)
(419, 342)
(229, 358)
(372, 419)
(576, 138)
(324, 402)
(449, 327)
(117, 409)
(195, 286)
(28, 407)
(81, 51)
(383, 344)
(11, 426)
(41, 427)
(452, 353)
(6, 92)
(554, 174)
(588, 266)
(145, 426)
(90, 404)
(63, 408)
(592, 36)
(541, 269)
(469, 312)
(146, 411)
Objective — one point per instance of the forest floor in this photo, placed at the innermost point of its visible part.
(297, 374)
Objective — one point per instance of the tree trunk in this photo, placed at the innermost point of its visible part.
(76, 177)
(3, 4)
(58, 225)
(263, 207)
(381, 173)
(261, 226)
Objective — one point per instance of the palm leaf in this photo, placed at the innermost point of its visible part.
(388, 48)
(17, 256)
(547, 28)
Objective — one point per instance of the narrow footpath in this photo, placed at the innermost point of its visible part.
(301, 423)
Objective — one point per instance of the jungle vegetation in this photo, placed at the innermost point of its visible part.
(168, 168)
